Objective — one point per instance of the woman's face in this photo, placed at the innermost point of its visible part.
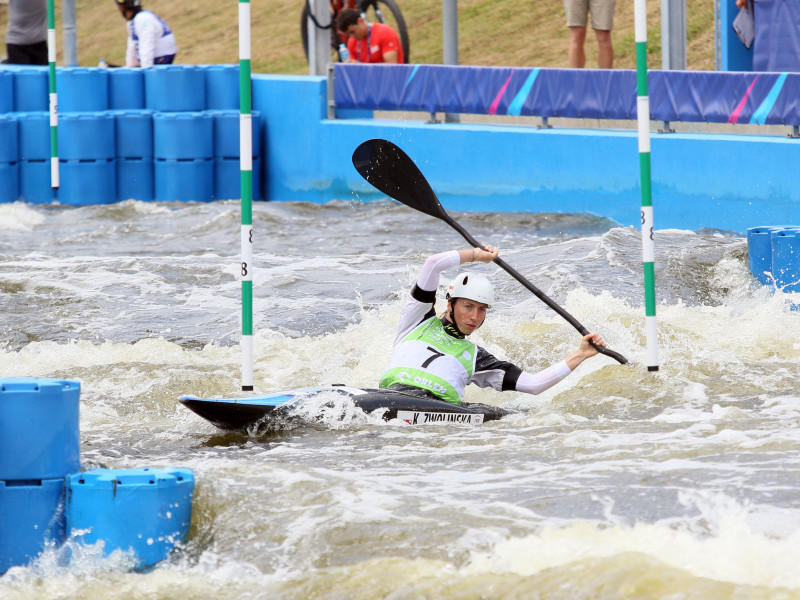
(469, 314)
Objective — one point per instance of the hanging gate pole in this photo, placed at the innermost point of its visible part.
(51, 57)
(648, 245)
(246, 170)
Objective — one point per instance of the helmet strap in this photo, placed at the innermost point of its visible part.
(452, 317)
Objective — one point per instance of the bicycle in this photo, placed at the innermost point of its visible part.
(372, 11)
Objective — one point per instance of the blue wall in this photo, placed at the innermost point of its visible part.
(718, 181)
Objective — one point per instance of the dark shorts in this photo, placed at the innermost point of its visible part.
(27, 54)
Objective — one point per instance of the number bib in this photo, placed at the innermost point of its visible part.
(431, 359)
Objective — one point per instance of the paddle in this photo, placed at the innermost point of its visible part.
(390, 170)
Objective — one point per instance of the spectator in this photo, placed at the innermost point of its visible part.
(150, 40)
(369, 42)
(26, 40)
(602, 12)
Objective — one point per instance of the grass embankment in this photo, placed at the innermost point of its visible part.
(491, 32)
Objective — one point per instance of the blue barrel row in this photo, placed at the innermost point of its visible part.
(165, 88)
(45, 499)
(774, 256)
(125, 154)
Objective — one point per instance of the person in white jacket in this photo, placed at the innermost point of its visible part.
(150, 40)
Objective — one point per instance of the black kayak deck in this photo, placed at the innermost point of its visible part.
(244, 412)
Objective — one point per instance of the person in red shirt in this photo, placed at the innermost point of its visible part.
(369, 42)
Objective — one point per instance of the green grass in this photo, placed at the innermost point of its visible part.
(491, 32)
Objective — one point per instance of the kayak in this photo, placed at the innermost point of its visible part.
(246, 411)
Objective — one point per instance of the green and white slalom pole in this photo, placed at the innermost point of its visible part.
(246, 168)
(51, 57)
(648, 244)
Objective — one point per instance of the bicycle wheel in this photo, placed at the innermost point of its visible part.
(304, 34)
(387, 11)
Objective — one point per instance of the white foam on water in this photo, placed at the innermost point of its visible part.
(734, 551)
(19, 216)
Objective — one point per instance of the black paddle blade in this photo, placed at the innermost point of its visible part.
(389, 169)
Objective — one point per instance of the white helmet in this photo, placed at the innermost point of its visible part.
(473, 286)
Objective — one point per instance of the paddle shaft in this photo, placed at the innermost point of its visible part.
(536, 291)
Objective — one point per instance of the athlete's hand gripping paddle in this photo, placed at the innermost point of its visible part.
(390, 170)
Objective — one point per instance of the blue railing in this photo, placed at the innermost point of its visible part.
(699, 96)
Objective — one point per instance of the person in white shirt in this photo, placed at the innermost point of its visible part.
(150, 40)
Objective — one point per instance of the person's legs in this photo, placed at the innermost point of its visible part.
(27, 54)
(577, 54)
(605, 49)
(577, 12)
(17, 54)
(602, 23)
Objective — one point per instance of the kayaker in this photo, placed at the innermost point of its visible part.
(432, 355)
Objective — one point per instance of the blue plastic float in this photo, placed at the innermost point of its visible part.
(86, 158)
(162, 144)
(144, 511)
(773, 254)
(125, 89)
(45, 499)
(81, 89)
(9, 153)
(39, 447)
(31, 89)
(6, 92)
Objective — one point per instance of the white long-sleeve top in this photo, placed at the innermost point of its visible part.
(489, 371)
(150, 41)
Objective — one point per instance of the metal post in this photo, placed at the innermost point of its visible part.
(673, 35)
(331, 96)
(450, 41)
(450, 31)
(69, 33)
(319, 40)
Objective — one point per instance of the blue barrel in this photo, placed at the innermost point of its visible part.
(226, 133)
(85, 182)
(183, 135)
(86, 136)
(147, 511)
(9, 182)
(81, 89)
(31, 89)
(38, 428)
(32, 517)
(34, 135)
(34, 181)
(222, 87)
(9, 138)
(125, 89)
(171, 88)
(759, 253)
(6, 91)
(133, 133)
(228, 179)
(184, 180)
(786, 259)
(135, 179)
